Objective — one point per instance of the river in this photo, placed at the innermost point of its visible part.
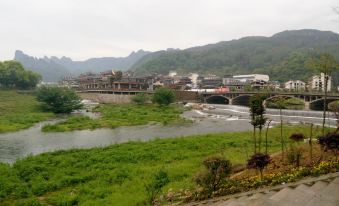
(218, 118)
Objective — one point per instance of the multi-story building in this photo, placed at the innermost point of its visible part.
(227, 79)
(295, 85)
(251, 78)
(210, 82)
(317, 82)
(113, 81)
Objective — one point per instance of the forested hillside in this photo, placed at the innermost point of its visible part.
(283, 56)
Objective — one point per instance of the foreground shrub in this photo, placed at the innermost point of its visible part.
(217, 169)
(154, 187)
(330, 141)
(259, 161)
(295, 153)
(294, 156)
(163, 96)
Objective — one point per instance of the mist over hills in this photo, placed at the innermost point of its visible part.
(54, 68)
(283, 56)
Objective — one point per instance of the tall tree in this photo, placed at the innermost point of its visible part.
(325, 64)
(281, 104)
(14, 75)
(258, 119)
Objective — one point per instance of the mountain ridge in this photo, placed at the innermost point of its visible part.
(54, 68)
(282, 56)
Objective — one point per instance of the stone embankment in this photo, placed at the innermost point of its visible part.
(107, 98)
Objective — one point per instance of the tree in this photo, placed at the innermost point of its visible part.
(14, 75)
(140, 98)
(281, 104)
(217, 169)
(154, 187)
(326, 64)
(258, 119)
(259, 161)
(163, 96)
(59, 100)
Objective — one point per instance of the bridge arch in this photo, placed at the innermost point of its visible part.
(279, 96)
(217, 99)
(318, 104)
(243, 100)
(269, 102)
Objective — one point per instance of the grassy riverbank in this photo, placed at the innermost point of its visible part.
(19, 111)
(115, 115)
(116, 175)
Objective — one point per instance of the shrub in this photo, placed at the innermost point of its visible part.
(154, 187)
(330, 141)
(294, 156)
(297, 137)
(259, 161)
(59, 100)
(140, 98)
(163, 96)
(217, 169)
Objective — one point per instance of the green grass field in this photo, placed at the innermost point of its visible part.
(115, 115)
(19, 111)
(115, 175)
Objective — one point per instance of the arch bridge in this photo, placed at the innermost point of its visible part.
(312, 101)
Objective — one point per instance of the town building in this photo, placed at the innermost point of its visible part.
(112, 80)
(210, 82)
(227, 79)
(295, 85)
(317, 82)
(251, 77)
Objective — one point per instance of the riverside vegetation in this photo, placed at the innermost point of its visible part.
(117, 174)
(115, 115)
(19, 111)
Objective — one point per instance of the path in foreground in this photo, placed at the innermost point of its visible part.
(318, 191)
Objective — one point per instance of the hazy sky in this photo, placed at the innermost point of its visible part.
(94, 28)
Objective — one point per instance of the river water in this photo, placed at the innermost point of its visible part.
(218, 118)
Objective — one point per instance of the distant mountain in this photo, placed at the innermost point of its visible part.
(54, 68)
(283, 56)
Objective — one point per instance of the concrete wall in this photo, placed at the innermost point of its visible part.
(107, 98)
(186, 96)
(126, 98)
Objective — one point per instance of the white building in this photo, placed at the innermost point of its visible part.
(295, 85)
(251, 78)
(318, 82)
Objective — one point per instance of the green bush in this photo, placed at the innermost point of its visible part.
(217, 169)
(140, 98)
(163, 96)
(59, 100)
(154, 187)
